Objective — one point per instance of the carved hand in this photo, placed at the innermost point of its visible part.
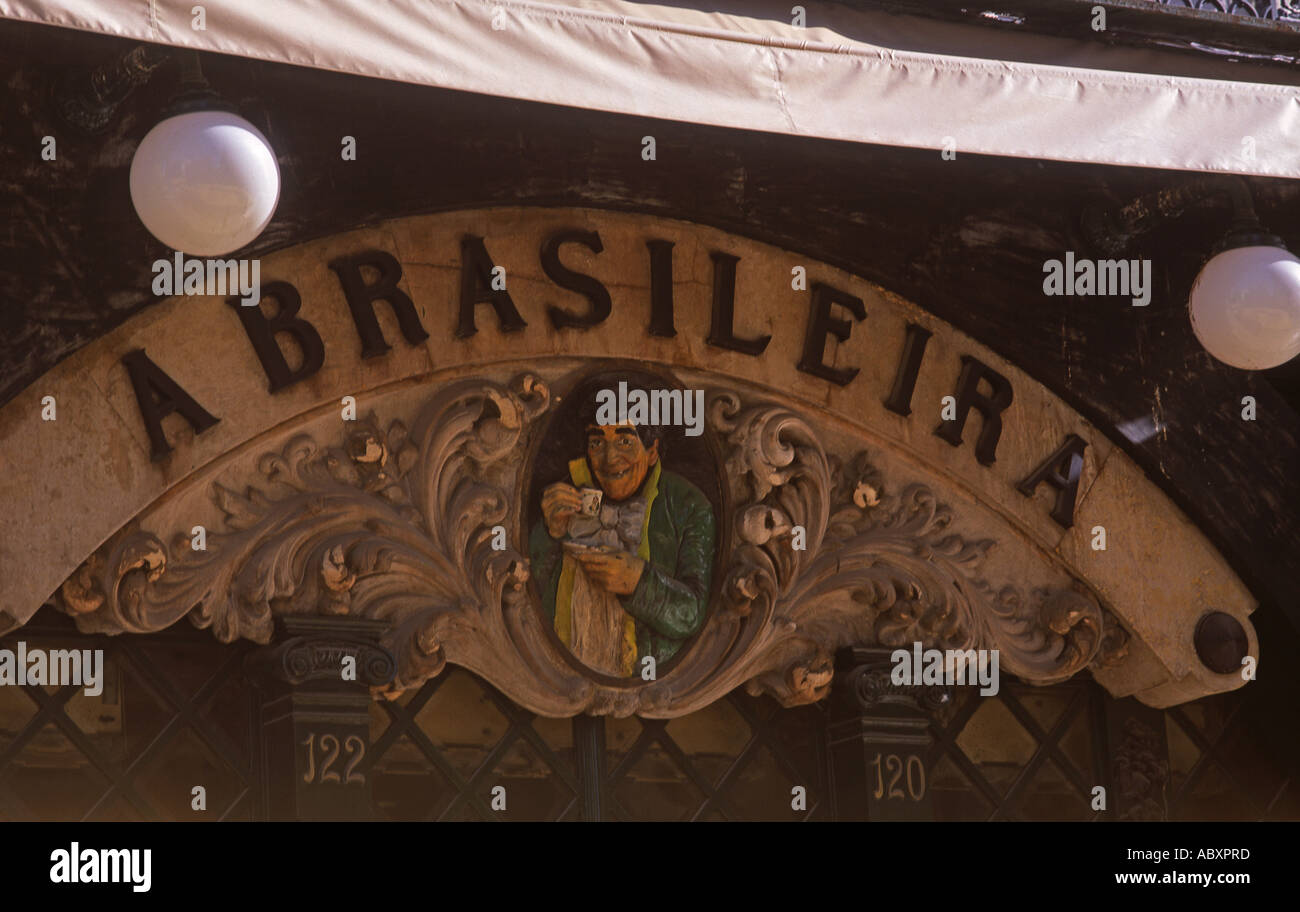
(615, 573)
(560, 503)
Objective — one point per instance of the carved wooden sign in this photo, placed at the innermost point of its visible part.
(396, 523)
(979, 388)
(842, 470)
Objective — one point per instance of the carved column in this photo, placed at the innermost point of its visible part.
(879, 738)
(315, 715)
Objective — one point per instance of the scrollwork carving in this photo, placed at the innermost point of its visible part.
(301, 659)
(873, 687)
(395, 524)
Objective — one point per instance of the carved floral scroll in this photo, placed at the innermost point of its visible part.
(394, 523)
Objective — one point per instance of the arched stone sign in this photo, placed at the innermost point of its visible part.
(961, 522)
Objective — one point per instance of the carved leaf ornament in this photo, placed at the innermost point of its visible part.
(395, 524)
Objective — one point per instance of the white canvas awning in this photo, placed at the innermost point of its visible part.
(848, 75)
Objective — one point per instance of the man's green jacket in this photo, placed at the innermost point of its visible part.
(670, 600)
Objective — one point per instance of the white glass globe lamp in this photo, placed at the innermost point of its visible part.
(205, 181)
(1245, 303)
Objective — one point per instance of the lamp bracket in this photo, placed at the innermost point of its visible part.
(88, 99)
(194, 93)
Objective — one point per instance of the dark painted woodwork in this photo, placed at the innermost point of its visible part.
(966, 239)
(1136, 774)
(878, 736)
(1221, 642)
(589, 760)
(315, 725)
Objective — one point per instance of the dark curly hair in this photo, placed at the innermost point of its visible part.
(649, 434)
(575, 411)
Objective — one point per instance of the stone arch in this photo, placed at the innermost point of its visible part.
(920, 535)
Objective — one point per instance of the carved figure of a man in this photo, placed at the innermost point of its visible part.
(629, 576)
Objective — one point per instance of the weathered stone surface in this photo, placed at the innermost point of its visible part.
(1165, 574)
(52, 474)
